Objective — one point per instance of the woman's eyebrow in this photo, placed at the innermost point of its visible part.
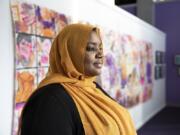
(94, 43)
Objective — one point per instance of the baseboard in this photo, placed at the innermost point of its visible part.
(172, 105)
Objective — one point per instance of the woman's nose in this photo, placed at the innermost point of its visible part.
(99, 54)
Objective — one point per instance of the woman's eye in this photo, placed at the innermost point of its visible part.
(91, 48)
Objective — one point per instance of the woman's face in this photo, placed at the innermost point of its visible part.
(93, 55)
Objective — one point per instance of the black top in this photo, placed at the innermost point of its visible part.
(51, 111)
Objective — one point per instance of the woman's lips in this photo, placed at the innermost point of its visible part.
(98, 64)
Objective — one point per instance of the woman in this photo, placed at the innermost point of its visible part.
(67, 101)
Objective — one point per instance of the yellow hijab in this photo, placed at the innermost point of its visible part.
(100, 115)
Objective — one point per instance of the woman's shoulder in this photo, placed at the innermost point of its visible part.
(50, 93)
(49, 90)
(51, 106)
(50, 99)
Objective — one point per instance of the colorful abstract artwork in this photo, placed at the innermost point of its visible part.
(45, 22)
(60, 21)
(17, 113)
(34, 29)
(127, 72)
(42, 71)
(24, 17)
(43, 48)
(25, 50)
(26, 82)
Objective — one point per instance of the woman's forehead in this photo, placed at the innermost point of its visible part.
(94, 37)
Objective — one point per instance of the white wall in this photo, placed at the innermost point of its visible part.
(6, 69)
(93, 11)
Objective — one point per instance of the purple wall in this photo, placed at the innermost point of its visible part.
(167, 19)
(130, 8)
